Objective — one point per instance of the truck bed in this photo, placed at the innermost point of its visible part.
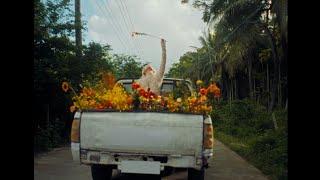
(142, 132)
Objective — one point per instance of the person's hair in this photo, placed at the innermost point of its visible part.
(145, 68)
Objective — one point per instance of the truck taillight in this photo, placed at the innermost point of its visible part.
(75, 131)
(208, 136)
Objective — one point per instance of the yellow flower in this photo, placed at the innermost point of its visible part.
(203, 98)
(92, 103)
(199, 82)
(115, 97)
(65, 86)
(158, 100)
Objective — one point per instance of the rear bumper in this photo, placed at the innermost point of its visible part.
(207, 153)
(178, 161)
(75, 151)
(98, 157)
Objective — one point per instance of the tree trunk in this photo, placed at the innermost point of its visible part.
(230, 95)
(249, 77)
(231, 88)
(276, 62)
(235, 89)
(48, 113)
(212, 66)
(198, 67)
(279, 87)
(286, 107)
(224, 84)
(268, 86)
(78, 29)
(275, 124)
(254, 89)
(273, 95)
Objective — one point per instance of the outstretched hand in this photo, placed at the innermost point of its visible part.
(163, 42)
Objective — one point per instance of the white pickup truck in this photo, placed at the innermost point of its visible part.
(142, 142)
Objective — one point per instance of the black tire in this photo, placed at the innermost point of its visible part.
(167, 171)
(101, 172)
(194, 174)
(155, 177)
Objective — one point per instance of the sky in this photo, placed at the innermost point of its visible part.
(112, 21)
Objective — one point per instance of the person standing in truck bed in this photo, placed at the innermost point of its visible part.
(150, 77)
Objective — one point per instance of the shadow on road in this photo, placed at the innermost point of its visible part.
(134, 176)
(178, 174)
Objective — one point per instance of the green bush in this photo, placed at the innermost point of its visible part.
(247, 128)
(50, 137)
(269, 153)
(42, 140)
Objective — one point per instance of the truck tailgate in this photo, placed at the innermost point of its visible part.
(142, 132)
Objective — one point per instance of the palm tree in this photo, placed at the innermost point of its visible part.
(207, 41)
(239, 26)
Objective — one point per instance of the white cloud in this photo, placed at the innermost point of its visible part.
(180, 24)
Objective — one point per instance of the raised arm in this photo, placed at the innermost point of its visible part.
(163, 59)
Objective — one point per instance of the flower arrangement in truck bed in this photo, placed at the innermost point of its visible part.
(107, 95)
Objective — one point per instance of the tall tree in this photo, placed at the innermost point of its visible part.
(126, 66)
(240, 26)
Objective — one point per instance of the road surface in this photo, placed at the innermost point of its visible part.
(225, 165)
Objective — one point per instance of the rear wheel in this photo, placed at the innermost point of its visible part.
(155, 177)
(167, 171)
(194, 174)
(101, 172)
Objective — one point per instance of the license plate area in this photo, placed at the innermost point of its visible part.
(140, 167)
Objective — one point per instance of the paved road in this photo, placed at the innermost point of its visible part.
(225, 165)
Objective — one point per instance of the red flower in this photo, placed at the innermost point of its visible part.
(141, 92)
(100, 106)
(217, 94)
(146, 94)
(203, 91)
(108, 104)
(152, 95)
(135, 85)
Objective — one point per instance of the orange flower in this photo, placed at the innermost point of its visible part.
(213, 88)
(193, 100)
(203, 91)
(100, 106)
(108, 80)
(129, 100)
(92, 102)
(65, 86)
(88, 92)
(135, 85)
(72, 108)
